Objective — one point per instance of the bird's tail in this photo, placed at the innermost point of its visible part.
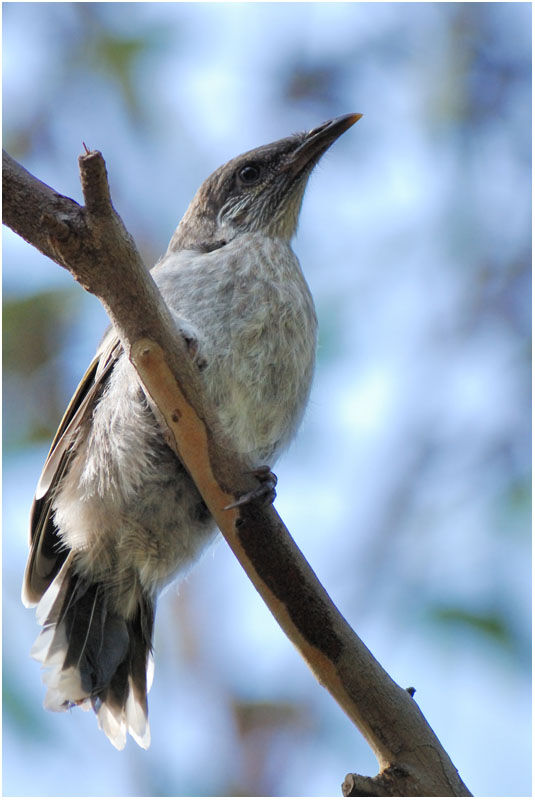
(94, 657)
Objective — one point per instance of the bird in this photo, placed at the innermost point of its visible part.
(116, 516)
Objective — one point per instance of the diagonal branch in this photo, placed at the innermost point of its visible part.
(92, 243)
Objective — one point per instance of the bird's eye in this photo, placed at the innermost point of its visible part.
(249, 174)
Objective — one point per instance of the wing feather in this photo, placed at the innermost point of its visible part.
(46, 552)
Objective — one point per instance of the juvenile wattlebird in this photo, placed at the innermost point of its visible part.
(115, 515)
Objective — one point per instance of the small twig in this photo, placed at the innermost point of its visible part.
(95, 187)
(392, 782)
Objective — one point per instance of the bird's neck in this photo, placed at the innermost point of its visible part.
(196, 234)
(204, 233)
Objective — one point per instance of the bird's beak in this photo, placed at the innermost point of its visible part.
(317, 141)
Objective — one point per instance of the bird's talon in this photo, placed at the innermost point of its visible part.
(264, 475)
(265, 492)
(192, 345)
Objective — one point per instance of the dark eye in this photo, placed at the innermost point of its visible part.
(249, 174)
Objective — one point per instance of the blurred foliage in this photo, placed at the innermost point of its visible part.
(31, 329)
(118, 55)
(492, 71)
(261, 728)
(35, 332)
(307, 80)
(492, 625)
(514, 507)
(21, 711)
(91, 44)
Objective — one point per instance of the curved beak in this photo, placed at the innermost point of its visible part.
(317, 141)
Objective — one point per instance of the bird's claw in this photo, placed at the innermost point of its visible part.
(192, 344)
(265, 492)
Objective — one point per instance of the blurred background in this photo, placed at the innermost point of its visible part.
(408, 488)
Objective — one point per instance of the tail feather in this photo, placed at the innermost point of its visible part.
(136, 717)
(94, 657)
(51, 602)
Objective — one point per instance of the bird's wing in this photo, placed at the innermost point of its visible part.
(46, 552)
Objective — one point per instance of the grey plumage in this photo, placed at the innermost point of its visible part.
(116, 516)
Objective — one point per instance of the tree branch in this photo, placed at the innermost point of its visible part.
(92, 243)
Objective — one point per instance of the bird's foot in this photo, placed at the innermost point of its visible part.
(192, 345)
(265, 492)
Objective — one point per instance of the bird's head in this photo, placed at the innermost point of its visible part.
(260, 191)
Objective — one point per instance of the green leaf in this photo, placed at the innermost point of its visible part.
(490, 624)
